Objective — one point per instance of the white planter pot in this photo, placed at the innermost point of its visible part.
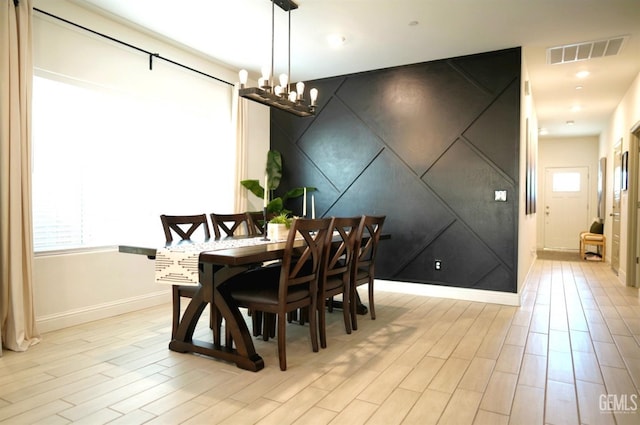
(277, 232)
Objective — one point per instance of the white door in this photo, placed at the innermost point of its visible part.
(566, 206)
(615, 208)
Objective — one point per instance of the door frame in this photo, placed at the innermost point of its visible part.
(616, 179)
(632, 207)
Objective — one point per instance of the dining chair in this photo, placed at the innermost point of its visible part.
(184, 226)
(290, 286)
(235, 225)
(363, 266)
(231, 224)
(257, 225)
(335, 275)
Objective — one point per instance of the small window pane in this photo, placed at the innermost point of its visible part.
(566, 182)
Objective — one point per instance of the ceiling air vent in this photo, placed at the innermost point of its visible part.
(587, 50)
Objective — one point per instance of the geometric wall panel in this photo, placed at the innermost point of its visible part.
(328, 140)
(411, 224)
(426, 145)
(492, 132)
(455, 248)
(418, 110)
(467, 184)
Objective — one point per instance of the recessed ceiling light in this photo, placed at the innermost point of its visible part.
(543, 131)
(413, 23)
(576, 108)
(336, 40)
(579, 87)
(570, 122)
(582, 74)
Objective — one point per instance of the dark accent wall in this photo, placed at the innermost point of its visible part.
(426, 145)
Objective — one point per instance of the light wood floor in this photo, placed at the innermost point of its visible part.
(569, 355)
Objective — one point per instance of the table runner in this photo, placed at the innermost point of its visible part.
(178, 265)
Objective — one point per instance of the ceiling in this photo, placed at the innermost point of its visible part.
(385, 33)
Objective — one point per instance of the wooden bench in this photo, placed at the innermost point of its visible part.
(592, 239)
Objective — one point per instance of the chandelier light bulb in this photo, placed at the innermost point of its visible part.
(300, 89)
(244, 75)
(266, 72)
(293, 96)
(278, 90)
(313, 96)
(284, 79)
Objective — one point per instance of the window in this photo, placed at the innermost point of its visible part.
(566, 182)
(108, 162)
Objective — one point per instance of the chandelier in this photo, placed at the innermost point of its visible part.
(283, 96)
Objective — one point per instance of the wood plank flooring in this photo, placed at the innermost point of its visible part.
(569, 355)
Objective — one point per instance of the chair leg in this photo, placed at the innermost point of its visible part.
(346, 310)
(256, 319)
(268, 326)
(282, 350)
(313, 325)
(215, 323)
(371, 307)
(352, 307)
(322, 322)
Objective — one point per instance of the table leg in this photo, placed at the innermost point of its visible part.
(361, 309)
(244, 354)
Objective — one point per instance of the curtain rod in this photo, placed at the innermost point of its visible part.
(151, 54)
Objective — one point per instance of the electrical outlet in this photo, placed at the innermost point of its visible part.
(438, 265)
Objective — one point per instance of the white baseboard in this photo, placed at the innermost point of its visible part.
(622, 276)
(100, 311)
(467, 294)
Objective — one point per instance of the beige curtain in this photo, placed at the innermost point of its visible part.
(17, 317)
(239, 117)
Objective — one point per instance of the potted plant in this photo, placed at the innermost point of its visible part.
(274, 175)
(278, 227)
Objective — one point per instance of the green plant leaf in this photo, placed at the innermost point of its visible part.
(275, 206)
(254, 187)
(282, 218)
(274, 169)
(297, 192)
(274, 173)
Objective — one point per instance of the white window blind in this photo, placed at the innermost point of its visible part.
(107, 164)
(116, 144)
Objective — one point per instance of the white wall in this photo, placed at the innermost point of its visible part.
(526, 222)
(76, 287)
(568, 152)
(625, 117)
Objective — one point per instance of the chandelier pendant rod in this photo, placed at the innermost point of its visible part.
(273, 41)
(289, 81)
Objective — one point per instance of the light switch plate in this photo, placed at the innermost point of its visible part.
(501, 195)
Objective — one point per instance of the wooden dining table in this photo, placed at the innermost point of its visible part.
(216, 268)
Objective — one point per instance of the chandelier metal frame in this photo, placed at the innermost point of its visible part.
(266, 93)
